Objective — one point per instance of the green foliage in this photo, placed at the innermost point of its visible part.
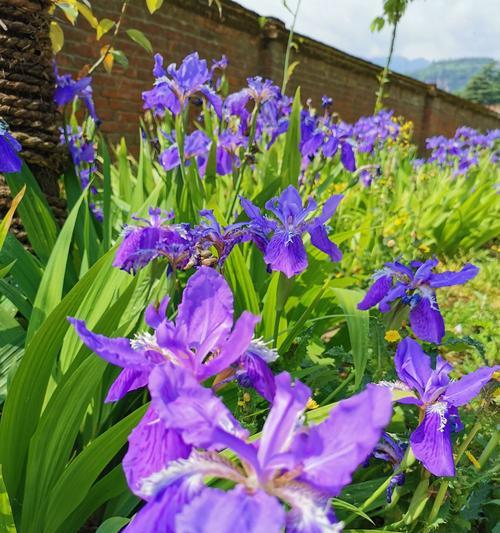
(60, 446)
(484, 87)
(451, 74)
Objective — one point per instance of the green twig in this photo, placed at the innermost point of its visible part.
(113, 38)
(289, 47)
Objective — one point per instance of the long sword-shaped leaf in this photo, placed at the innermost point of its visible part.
(51, 287)
(24, 402)
(358, 325)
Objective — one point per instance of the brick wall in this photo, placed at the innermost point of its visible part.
(184, 26)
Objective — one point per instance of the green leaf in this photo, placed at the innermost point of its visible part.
(51, 287)
(76, 481)
(56, 37)
(106, 170)
(154, 5)
(54, 437)
(138, 37)
(103, 27)
(7, 524)
(26, 270)
(340, 504)
(7, 220)
(113, 524)
(269, 309)
(358, 326)
(35, 212)
(112, 485)
(290, 165)
(119, 57)
(22, 409)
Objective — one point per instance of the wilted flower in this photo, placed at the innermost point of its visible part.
(285, 251)
(157, 238)
(393, 452)
(438, 397)
(415, 286)
(293, 464)
(9, 160)
(209, 233)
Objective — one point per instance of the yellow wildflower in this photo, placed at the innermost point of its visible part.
(312, 404)
(392, 336)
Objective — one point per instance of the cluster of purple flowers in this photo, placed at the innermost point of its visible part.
(9, 147)
(280, 238)
(431, 389)
(463, 150)
(285, 479)
(256, 114)
(175, 447)
(84, 157)
(370, 133)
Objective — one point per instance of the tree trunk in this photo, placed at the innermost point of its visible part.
(27, 85)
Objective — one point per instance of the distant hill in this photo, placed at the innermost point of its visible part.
(451, 75)
(401, 64)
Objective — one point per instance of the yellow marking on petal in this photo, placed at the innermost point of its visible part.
(392, 336)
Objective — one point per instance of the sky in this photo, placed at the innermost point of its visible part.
(430, 29)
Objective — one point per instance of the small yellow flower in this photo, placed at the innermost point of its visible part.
(246, 397)
(312, 404)
(424, 248)
(339, 187)
(392, 336)
(241, 403)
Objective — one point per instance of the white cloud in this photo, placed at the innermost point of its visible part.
(433, 29)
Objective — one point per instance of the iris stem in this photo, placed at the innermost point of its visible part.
(251, 138)
(344, 384)
(438, 502)
(490, 448)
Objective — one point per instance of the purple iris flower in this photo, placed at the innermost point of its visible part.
(227, 154)
(197, 145)
(438, 397)
(415, 285)
(326, 102)
(155, 239)
(203, 341)
(285, 251)
(300, 466)
(259, 90)
(393, 452)
(9, 160)
(339, 135)
(174, 86)
(67, 89)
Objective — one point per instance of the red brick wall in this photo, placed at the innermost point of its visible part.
(183, 26)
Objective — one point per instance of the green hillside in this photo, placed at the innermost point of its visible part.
(451, 75)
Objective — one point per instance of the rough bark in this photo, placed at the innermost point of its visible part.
(26, 92)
